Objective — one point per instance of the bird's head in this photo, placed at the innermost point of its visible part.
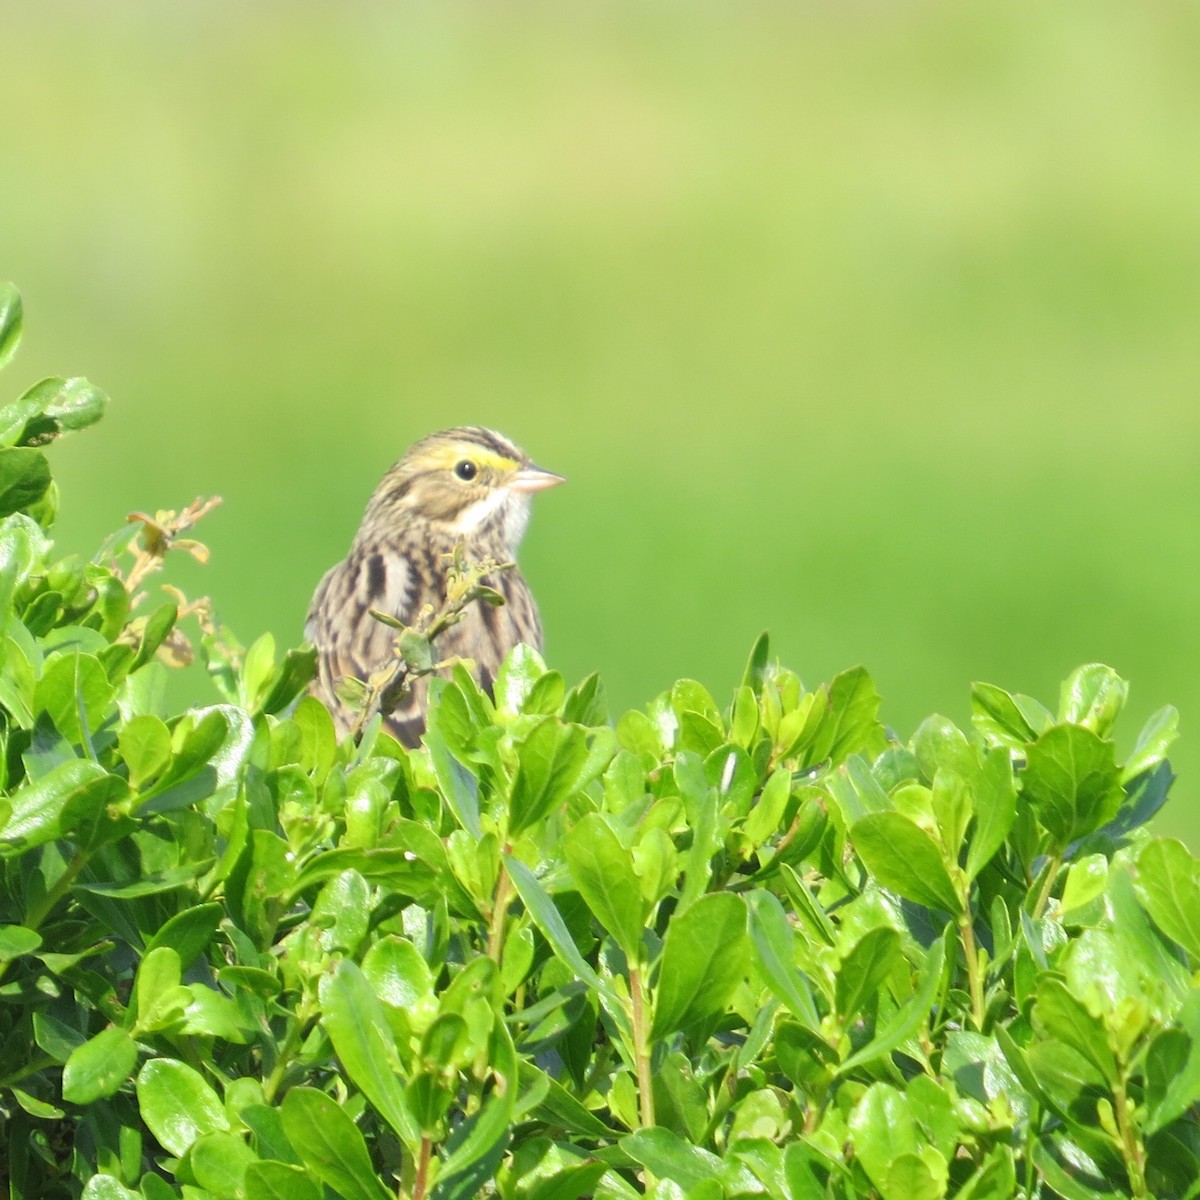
(466, 483)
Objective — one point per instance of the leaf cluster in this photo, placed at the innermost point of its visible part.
(752, 949)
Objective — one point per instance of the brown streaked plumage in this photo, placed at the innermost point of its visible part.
(469, 485)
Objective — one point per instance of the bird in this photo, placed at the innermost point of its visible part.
(467, 486)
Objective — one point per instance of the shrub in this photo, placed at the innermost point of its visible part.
(759, 950)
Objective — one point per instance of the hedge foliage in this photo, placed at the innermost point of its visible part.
(754, 949)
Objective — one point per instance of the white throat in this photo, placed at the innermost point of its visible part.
(515, 516)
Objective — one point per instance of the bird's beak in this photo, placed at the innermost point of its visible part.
(534, 479)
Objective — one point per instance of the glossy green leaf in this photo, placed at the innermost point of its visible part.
(603, 871)
(279, 1181)
(995, 807)
(705, 956)
(1007, 720)
(360, 1033)
(1072, 782)
(220, 1161)
(24, 479)
(863, 971)
(1168, 887)
(670, 1157)
(16, 940)
(550, 922)
(1093, 696)
(903, 857)
(331, 1145)
(145, 744)
(888, 1143)
(107, 1187)
(908, 1019)
(342, 911)
(773, 940)
(458, 784)
(1064, 1018)
(70, 794)
(178, 1104)
(11, 319)
(1173, 1069)
(550, 762)
(1156, 737)
(188, 932)
(478, 1144)
(100, 1066)
(700, 805)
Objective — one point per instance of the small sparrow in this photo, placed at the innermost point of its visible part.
(468, 486)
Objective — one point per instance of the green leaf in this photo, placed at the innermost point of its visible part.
(57, 804)
(1173, 1069)
(189, 932)
(756, 664)
(399, 974)
(1156, 736)
(24, 479)
(177, 1104)
(773, 939)
(995, 804)
(705, 956)
(904, 858)
(550, 762)
(290, 680)
(265, 1123)
(1072, 782)
(912, 1014)
(851, 723)
(11, 315)
(863, 971)
(279, 1181)
(603, 871)
(51, 408)
(458, 785)
(330, 1144)
(16, 940)
(477, 1145)
(1065, 1019)
(75, 691)
(360, 1033)
(220, 1161)
(700, 805)
(1168, 888)
(939, 743)
(516, 677)
(1093, 696)
(1007, 720)
(145, 745)
(107, 1187)
(669, 1157)
(894, 1155)
(342, 912)
(99, 1067)
(553, 928)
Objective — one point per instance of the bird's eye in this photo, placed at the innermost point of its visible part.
(466, 470)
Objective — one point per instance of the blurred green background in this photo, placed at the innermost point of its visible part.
(870, 323)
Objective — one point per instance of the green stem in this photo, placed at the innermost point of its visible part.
(295, 1035)
(503, 898)
(1043, 897)
(966, 933)
(641, 1051)
(39, 912)
(421, 1183)
(26, 1070)
(1135, 1152)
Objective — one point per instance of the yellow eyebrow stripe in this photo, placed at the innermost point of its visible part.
(447, 456)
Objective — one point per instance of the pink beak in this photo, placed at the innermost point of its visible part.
(534, 479)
